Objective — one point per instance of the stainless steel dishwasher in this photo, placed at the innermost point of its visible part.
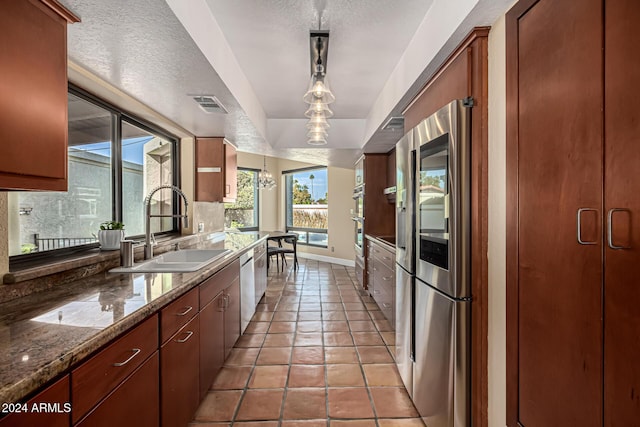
(247, 289)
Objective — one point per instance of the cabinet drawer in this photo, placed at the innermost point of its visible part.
(384, 256)
(57, 393)
(94, 379)
(211, 287)
(178, 313)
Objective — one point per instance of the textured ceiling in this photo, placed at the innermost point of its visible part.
(254, 56)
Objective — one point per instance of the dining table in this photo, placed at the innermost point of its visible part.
(280, 250)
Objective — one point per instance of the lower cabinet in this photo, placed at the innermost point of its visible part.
(211, 342)
(180, 370)
(56, 396)
(134, 399)
(382, 278)
(260, 270)
(231, 316)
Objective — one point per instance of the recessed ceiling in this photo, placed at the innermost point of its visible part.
(253, 55)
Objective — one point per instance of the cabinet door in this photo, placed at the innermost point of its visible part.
(230, 173)
(211, 342)
(137, 399)
(557, 89)
(179, 369)
(33, 97)
(231, 316)
(210, 169)
(622, 187)
(55, 394)
(260, 279)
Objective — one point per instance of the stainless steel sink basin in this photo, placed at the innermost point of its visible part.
(183, 261)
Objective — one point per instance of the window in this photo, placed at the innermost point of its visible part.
(243, 214)
(307, 205)
(113, 162)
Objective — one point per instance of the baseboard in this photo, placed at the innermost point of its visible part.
(332, 260)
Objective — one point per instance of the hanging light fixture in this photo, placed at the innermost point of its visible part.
(265, 179)
(318, 94)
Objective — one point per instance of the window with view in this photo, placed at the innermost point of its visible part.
(113, 162)
(307, 205)
(243, 214)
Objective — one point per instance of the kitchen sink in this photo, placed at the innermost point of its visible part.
(186, 260)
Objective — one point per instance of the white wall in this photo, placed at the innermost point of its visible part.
(497, 226)
(340, 187)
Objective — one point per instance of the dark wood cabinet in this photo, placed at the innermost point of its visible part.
(216, 170)
(96, 378)
(137, 398)
(573, 325)
(382, 278)
(180, 373)
(33, 95)
(55, 416)
(219, 321)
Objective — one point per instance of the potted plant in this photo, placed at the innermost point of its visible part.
(110, 234)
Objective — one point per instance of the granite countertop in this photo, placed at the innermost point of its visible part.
(383, 240)
(44, 334)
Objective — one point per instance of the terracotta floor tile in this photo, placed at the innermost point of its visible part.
(232, 378)
(374, 354)
(255, 424)
(310, 326)
(285, 316)
(383, 325)
(264, 316)
(257, 328)
(362, 326)
(353, 306)
(330, 298)
(335, 326)
(278, 340)
(353, 423)
(306, 376)
(358, 315)
(336, 355)
(305, 423)
(350, 298)
(367, 338)
(401, 422)
(392, 402)
(250, 340)
(389, 338)
(218, 406)
(334, 315)
(305, 403)
(382, 375)
(308, 355)
(344, 375)
(282, 327)
(377, 315)
(308, 339)
(206, 424)
(310, 315)
(242, 357)
(260, 405)
(349, 403)
(287, 307)
(269, 376)
(337, 339)
(266, 307)
(274, 356)
(332, 306)
(310, 307)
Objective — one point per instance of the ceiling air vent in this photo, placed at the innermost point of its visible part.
(209, 104)
(394, 123)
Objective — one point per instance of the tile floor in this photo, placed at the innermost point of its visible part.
(318, 353)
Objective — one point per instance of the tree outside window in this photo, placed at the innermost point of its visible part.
(243, 214)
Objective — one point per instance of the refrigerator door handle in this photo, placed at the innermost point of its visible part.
(610, 228)
(579, 222)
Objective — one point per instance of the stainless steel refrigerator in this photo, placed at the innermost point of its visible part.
(439, 301)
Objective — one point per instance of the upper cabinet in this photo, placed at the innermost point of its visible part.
(33, 95)
(216, 170)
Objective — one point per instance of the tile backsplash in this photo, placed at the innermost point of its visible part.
(211, 214)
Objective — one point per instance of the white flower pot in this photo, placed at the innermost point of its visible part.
(110, 239)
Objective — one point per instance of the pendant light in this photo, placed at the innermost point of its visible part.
(318, 94)
(265, 179)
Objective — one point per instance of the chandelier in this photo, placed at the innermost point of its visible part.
(318, 94)
(265, 179)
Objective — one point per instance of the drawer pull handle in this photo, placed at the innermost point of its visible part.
(189, 334)
(387, 278)
(386, 305)
(187, 309)
(136, 351)
(387, 258)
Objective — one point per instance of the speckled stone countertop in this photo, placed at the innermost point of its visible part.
(44, 334)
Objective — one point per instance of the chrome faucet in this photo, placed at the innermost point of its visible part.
(148, 247)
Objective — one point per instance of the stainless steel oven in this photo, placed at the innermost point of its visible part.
(358, 218)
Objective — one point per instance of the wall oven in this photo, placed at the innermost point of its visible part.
(358, 218)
